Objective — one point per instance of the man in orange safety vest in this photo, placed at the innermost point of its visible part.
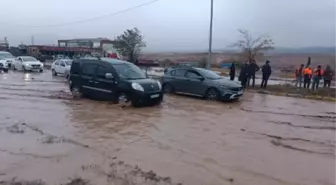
(307, 75)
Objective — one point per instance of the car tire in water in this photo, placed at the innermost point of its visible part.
(76, 92)
(41, 70)
(212, 94)
(158, 102)
(124, 100)
(53, 72)
(5, 70)
(167, 88)
(24, 69)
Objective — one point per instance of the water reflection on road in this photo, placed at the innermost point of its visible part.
(260, 140)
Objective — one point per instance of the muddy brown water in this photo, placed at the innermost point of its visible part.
(261, 140)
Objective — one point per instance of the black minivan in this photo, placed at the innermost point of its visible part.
(115, 80)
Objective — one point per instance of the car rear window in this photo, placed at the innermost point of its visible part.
(75, 68)
(178, 72)
(89, 69)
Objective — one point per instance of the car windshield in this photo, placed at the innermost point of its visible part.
(28, 59)
(6, 55)
(129, 71)
(208, 74)
(68, 62)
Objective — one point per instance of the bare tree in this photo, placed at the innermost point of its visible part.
(130, 44)
(253, 47)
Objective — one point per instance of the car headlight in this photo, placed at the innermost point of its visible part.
(26, 64)
(159, 84)
(41, 64)
(137, 87)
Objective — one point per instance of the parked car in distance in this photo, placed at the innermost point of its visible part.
(61, 66)
(3, 65)
(27, 63)
(200, 82)
(4, 55)
(182, 65)
(116, 80)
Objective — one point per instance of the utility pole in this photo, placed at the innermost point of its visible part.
(210, 36)
(32, 40)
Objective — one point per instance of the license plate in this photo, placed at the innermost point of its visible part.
(240, 92)
(155, 95)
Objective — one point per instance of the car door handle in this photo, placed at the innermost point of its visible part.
(90, 81)
(96, 82)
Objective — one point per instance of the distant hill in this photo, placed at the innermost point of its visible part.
(277, 50)
(313, 50)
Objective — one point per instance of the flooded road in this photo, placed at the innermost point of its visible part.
(260, 140)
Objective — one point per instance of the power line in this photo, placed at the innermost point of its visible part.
(93, 18)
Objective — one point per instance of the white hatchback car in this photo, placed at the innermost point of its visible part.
(61, 66)
(27, 63)
(4, 55)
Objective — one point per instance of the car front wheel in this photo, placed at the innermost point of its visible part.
(124, 100)
(53, 72)
(76, 92)
(167, 88)
(212, 94)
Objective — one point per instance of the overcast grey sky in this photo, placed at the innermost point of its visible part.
(172, 24)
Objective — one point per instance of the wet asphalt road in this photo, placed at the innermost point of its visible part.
(262, 139)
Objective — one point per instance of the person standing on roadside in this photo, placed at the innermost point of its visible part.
(252, 69)
(318, 73)
(243, 74)
(299, 75)
(232, 71)
(266, 73)
(327, 76)
(307, 75)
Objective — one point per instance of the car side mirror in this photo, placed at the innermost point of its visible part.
(109, 76)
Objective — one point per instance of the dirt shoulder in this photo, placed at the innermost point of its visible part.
(324, 94)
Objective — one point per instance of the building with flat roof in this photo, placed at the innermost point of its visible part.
(103, 44)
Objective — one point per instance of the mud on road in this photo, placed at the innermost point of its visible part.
(48, 138)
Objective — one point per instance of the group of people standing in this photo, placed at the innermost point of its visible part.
(306, 74)
(248, 73)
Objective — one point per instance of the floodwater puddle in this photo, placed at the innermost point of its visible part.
(46, 137)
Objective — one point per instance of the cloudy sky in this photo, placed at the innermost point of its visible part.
(171, 24)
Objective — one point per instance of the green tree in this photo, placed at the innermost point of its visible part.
(253, 47)
(129, 44)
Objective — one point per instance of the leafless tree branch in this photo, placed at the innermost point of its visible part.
(250, 47)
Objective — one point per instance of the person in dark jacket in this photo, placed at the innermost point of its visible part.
(317, 76)
(232, 71)
(327, 76)
(266, 73)
(243, 74)
(252, 69)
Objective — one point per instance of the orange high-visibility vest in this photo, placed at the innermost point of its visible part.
(308, 71)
